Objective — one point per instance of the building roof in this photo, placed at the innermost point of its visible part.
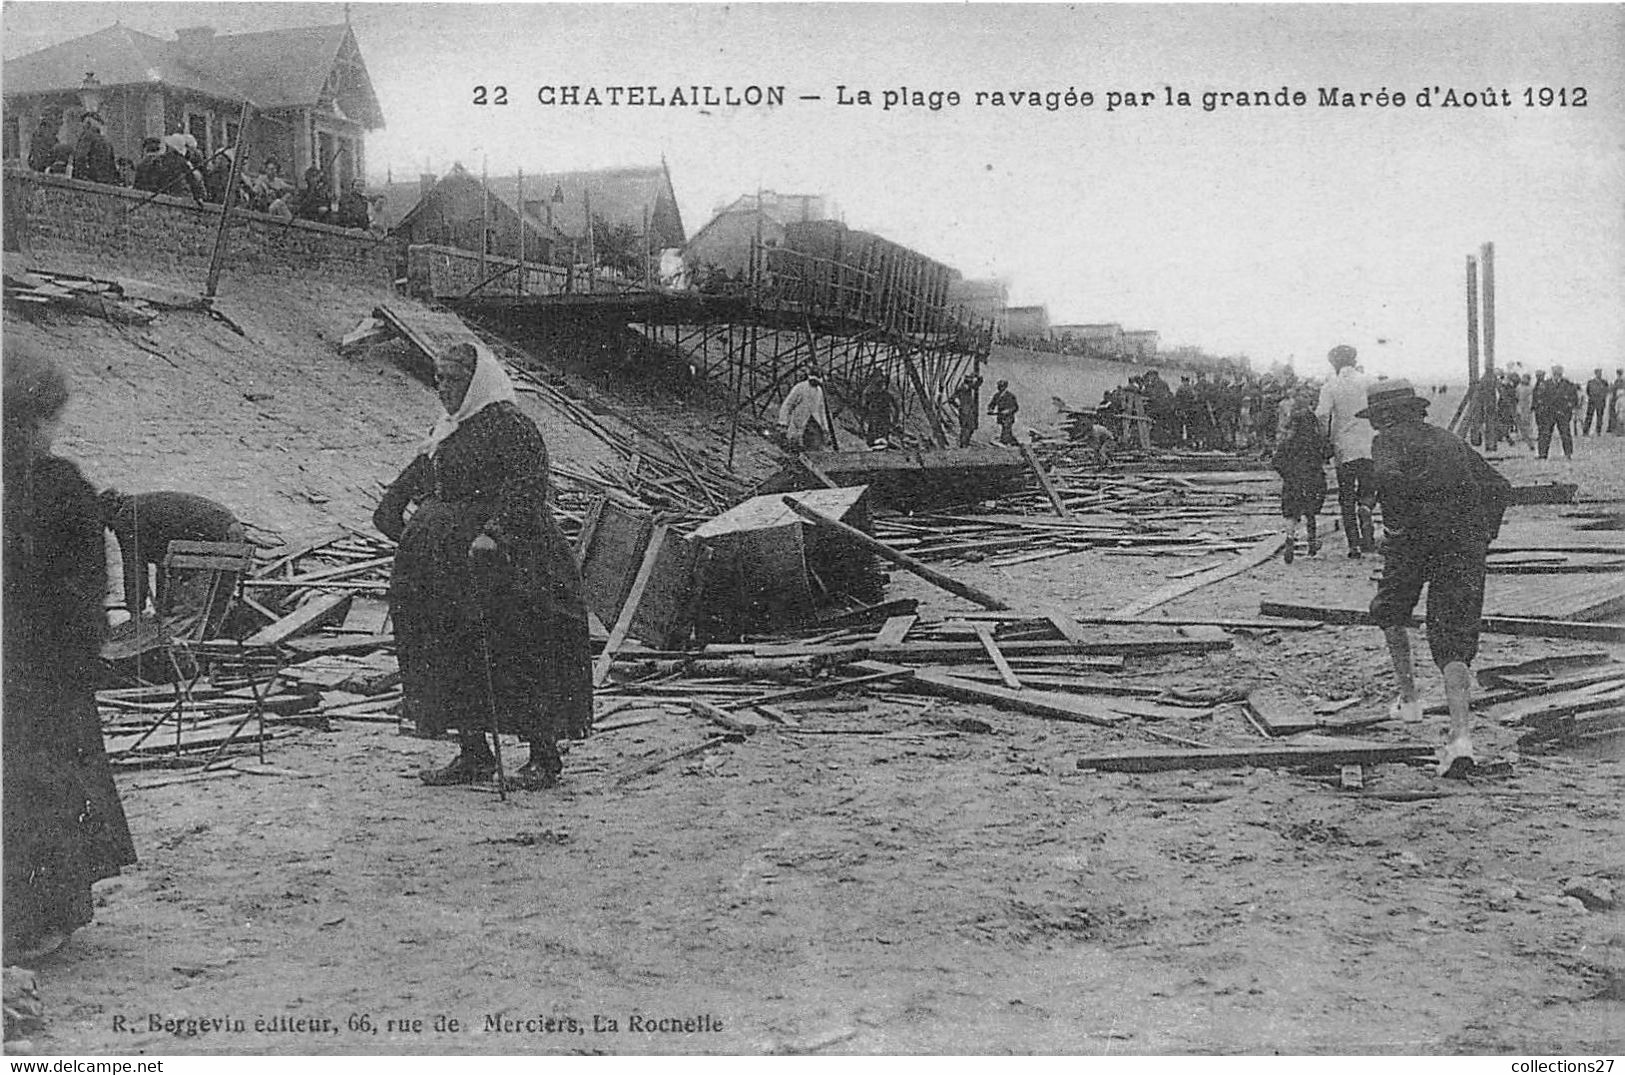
(619, 196)
(457, 175)
(300, 67)
(1093, 331)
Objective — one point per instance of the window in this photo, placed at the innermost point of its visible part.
(197, 125)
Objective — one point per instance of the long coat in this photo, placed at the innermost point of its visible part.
(523, 622)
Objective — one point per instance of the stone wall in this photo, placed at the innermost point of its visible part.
(46, 214)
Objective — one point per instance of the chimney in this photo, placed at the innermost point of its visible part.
(426, 182)
(194, 37)
(90, 93)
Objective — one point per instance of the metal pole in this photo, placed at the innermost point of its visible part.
(225, 206)
(1487, 256)
(1474, 402)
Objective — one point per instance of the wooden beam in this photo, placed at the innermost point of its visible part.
(1043, 480)
(894, 629)
(984, 635)
(317, 612)
(1525, 626)
(1264, 550)
(1037, 703)
(629, 610)
(903, 560)
(1279, 710)
(1336, 753)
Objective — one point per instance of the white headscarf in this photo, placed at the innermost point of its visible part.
(489, 385)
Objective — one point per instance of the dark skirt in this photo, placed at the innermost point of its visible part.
(514, 637)
(1302, 497)
(64, 825)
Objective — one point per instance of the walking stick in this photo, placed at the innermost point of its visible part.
(484, 592)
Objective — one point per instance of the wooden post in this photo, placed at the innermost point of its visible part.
(903, 560)
(937, 434)
(1472, 349)
(519, 282)
(592, 248)
(485, 216)
(232, 180)
(1487, 256)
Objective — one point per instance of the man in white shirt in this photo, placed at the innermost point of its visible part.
(801, 415)
(1342, 398)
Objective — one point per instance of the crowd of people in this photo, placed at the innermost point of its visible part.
(489, 614)
(174, 164)
(1532, 408)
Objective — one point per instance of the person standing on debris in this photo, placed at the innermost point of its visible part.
(1596, 403)
(1341, 399)
(1554, 410)
(64, 825)
(1300, 459)
(145, 524)
(1003, 407)
(967, 407)
(93, 153)
(486, 596)
(801, 415)
(880, 411)
(1441, 507)
(1524, 413)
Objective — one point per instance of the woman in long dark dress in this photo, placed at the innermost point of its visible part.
(64, 824)
(485, 584)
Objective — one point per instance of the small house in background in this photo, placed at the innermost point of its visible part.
(724, 243)
(1027, 322)
(625, 201)
(455, 210)
(312, 98)
(1141, 344)
(982, 300)
(1099, 340)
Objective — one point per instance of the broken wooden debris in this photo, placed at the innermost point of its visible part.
(1330, 754)
(1280, 710)
(1264, 550)
(903, 560)
(317, 612)
(1038, 703)
(676, 755)
(1505, 625)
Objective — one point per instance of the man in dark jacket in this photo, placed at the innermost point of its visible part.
(1554, 409)
(42, 149)
(145, 524)
(965, 407)
(93, 153)
(1441, 508)
(1003, 407)
(1596, 404)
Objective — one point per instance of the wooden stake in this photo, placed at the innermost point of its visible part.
(1487, 256)
(903, 560)
(1043, 480)
(232, 180)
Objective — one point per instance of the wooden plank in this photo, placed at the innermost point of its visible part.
(1068, 627)
(942, 651)
(665, 612)
(984, 635)
(1339, 753)
(319, 611)
(894, 629)
(623, 623)
(1037, 703)
(675, 755)
(817, 472)
(1603, 695)
(1043, 480)
(1280, 710)
(903, 560)
(1351, 778)
(1264, 550)
(1527, 627)
(618, 541)
(340, 644)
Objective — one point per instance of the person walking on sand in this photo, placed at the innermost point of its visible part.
(1343, 397)
(801, 415)
(1554, 411)
(1441, 507)
(1003, 407)
(1300, 459)
(1596, 404)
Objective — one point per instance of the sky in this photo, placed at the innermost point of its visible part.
(1270, 231)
